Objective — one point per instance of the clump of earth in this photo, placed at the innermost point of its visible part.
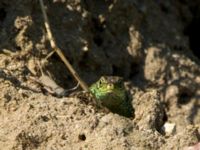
(151, 44)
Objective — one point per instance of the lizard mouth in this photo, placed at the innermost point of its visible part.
(106, 90)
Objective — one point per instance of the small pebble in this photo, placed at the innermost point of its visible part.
(169, 128)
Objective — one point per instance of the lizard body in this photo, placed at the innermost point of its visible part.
(111, 93)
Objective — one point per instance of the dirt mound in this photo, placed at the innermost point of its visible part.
(151, 44)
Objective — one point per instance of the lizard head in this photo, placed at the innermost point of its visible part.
(106, 86)
(111, 93)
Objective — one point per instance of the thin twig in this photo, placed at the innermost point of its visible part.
(58, 51)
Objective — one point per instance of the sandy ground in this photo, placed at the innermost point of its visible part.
(148, 43)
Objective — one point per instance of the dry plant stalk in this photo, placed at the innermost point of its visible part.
(59, 52)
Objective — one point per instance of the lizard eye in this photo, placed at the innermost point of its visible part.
(120, 84)
(102, 80)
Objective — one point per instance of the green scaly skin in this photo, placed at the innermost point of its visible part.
(111, 93)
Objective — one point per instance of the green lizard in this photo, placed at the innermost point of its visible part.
(111, 93)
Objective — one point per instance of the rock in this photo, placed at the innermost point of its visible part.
(169, 128)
